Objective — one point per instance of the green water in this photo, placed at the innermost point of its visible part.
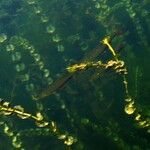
(43, 106)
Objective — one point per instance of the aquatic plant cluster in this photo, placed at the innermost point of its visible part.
(74, 74)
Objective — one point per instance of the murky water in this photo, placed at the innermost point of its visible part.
(74, 74)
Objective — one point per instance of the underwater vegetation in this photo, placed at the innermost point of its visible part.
(74, 75)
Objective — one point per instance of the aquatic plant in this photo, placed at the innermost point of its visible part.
(81, 68)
